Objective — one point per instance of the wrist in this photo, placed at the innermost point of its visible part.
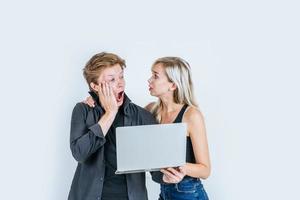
(111, 114)
(106, 120)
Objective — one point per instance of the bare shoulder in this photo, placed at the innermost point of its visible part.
(195, 121)
(149, 106)
(193, 115)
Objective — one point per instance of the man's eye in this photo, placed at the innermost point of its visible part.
(112, 80)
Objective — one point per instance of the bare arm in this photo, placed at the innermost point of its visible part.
(197, 133)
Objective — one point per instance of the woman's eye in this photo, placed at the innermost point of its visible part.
(112, 80)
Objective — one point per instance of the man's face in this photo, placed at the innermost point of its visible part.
(114, 76)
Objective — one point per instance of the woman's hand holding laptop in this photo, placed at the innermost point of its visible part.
(173, 175)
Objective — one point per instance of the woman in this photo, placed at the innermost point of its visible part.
(171, 83)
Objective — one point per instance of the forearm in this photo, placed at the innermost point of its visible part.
(85, 140)
(197, 170)
(87, 144)
(106, 121)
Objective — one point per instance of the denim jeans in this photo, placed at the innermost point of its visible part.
(188, 189)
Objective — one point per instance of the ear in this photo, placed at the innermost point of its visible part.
(173, 87)
(94, 86)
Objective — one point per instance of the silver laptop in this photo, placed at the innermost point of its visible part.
(150, 147)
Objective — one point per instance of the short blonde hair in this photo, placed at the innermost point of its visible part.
(97, 63)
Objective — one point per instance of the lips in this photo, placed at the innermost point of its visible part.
(119, 96)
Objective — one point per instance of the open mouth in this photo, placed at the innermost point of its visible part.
(120, 96)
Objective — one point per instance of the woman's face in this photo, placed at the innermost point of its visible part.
(159, 84)
(114, 76)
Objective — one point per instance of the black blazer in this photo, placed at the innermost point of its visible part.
(87, 146)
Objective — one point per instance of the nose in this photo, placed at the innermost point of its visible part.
(149, 80)
(120, 83)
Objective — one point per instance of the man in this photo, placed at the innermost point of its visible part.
(93, 137)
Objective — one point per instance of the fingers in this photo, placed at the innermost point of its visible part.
(182, 170)
(105, 89)
(100, 90)
(167, 172)
(167, 176)
(91, 104)
(176, 173)
(107, 98)
(90, 101)
(107, 86)
(172, 175)
(101, 94)
(110, 91)
(172, 171)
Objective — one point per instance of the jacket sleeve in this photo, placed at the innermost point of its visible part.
(84, 140)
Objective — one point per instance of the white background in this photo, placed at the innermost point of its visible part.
(245, 63)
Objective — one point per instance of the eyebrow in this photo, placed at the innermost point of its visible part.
(113, 75)
(154, 72)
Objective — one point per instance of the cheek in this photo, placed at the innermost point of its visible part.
(159, 84)
(114, 87)
(122, 82)
(158, 87)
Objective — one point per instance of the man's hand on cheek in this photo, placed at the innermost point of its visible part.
(107, 98)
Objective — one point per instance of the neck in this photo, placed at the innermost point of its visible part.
(168, 104)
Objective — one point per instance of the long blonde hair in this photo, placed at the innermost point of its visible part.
(178, 71)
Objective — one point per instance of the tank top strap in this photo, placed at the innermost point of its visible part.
(179, 117)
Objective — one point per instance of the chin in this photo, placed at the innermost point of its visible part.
(120, 103)
(153, 94)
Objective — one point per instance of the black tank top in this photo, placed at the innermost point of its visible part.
(190, 157)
